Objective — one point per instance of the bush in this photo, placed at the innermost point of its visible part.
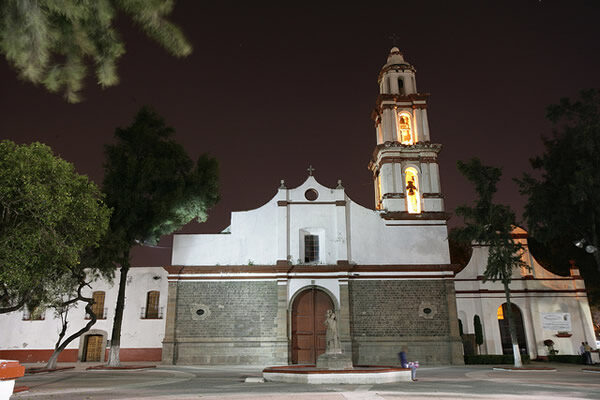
(494, 359)
(571, 359)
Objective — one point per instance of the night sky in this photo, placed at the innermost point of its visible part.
(268, 91)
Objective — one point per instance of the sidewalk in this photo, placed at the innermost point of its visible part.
(166, 382)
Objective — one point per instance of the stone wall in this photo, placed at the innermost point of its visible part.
(237, 324)
(418, 316)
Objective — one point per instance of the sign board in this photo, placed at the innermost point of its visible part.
(556, 321)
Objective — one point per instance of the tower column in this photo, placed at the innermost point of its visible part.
(404, 167)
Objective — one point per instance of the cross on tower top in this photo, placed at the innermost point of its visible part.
(395, 39)
(310, 170)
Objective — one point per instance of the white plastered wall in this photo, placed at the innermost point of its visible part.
(136, 332)
(347, 231)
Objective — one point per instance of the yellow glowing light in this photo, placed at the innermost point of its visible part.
(500, 313)
(413, 199)
(405, 135)
(379, 194)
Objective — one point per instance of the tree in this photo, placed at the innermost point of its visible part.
(154, 189)
(564, 203)
(49, 215)
(491, 224)
(51, 41)
(478, 332)
(66, 293)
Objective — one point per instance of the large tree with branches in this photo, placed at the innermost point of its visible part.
(52, 42)
(564, 201)
(49, 215)
(154, 189)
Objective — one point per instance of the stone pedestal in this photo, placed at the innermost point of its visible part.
(334, 361)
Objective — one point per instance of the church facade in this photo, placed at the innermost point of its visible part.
(258, 292)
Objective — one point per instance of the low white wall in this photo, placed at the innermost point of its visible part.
(136, 332)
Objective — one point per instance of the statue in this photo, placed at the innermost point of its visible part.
(332, 337)
(333, 358)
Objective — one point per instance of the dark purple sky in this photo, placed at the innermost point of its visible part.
(269, 91)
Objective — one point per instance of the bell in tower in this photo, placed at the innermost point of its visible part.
(405, 168)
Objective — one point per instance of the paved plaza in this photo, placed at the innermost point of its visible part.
(208, 383)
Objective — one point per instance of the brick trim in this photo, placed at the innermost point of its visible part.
(283, 203)
(403, 215)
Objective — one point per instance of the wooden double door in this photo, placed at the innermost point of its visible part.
(93, 348)
(308, 330)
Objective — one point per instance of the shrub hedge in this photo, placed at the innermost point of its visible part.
(571, 359)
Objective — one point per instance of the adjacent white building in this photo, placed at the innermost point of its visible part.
(546, 306)
(30, 337)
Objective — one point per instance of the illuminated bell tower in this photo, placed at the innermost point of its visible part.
(405, 168)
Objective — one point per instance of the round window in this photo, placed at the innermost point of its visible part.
(311, 194)
(200, 311)
(427, 310)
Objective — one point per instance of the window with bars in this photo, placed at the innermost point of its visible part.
(311, 248)
(152, 309)
(98, 306)
(37, 314)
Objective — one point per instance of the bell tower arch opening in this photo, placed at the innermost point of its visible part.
(413, 199)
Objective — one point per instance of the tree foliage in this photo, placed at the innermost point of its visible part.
(49, 215)
(564, 203)
(488, 223)
(154, 189)
(491, 224)
(478, 330)
(52, 41)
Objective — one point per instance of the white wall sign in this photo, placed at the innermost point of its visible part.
(556, 321)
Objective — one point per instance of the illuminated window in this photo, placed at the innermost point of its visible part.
(152, 310)
(405, 135)
(413, 199)
(500, 313)
(311, 248)
(379, 194)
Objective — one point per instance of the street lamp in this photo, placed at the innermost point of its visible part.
(589, 248)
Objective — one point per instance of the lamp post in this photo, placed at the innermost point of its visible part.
(581, 243)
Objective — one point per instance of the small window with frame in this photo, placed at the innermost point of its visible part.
(152, 301)
(311, 248)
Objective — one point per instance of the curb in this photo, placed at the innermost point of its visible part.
(123, 367)
(525, 369)
(31, 371)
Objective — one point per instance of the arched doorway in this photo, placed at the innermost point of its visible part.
(308, 331)
(505, 331)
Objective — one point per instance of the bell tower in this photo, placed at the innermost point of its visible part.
(404, 165)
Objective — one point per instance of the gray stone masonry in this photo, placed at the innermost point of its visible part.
(226, 323)
(389, 316)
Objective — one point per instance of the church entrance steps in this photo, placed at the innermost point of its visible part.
(359, 375)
